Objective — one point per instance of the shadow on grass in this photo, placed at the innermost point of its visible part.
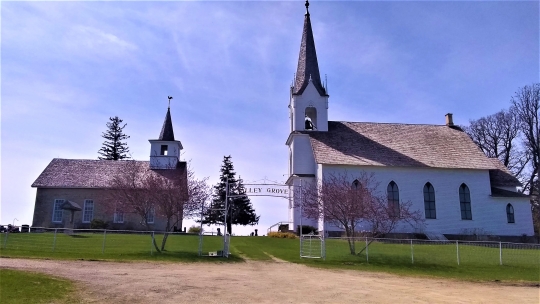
(173, 256)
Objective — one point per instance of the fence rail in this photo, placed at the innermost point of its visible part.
(436, 251)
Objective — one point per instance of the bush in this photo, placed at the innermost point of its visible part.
(306, 229)
(194, 229)
(282, 235)
(98, 224)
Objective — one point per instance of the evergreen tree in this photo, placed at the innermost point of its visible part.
(113, 147)
(240, 210)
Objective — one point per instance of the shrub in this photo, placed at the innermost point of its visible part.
(98, 224)
(194, 229)
(282, 235)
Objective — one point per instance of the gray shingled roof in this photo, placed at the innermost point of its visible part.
(399, 145)
(496, 192)
(167, 132)
(89, 173)
(500, 176)
(307, 62)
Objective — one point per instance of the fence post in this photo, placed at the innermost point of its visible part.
(412, 253)
(104, 237)
(500, 253)
(5, 239)
(54, 240)
(457, 251)
(367, 251)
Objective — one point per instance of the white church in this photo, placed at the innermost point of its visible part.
(438, 168)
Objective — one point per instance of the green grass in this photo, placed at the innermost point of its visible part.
(476, 262)
(117, 247)
(27, 287)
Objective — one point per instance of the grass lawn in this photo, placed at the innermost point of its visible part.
(26, 287)
(476, 262)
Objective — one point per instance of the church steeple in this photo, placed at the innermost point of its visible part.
(308, 105)
(308, 67)
(167, 132)
(165, 151)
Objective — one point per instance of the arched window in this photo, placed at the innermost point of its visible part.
(510, 213)
(355, 185)
(429, 201)
(393, 198)
(465, 202)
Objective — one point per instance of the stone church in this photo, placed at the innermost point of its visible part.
(438, 168)
(71, 192)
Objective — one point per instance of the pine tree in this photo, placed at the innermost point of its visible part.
(240, 210)
(113, 147)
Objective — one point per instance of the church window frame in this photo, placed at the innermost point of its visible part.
(88, 211)
(151, 215)
(465, 202)
(510, 218)
(164, 150)
(392, 191)
(430, 208)
(118, 217)
(58, 212)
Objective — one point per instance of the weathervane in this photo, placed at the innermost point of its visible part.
(169, 97)
(307, 7)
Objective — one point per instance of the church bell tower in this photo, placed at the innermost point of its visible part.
(308, 105)
(308, 110)
(165, 151)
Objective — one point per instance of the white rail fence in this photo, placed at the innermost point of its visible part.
(436, 252)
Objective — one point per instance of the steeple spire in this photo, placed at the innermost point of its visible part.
(167, 132)
(308, 67)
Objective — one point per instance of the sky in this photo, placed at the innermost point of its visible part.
(66, 67)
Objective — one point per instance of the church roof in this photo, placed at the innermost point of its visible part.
(308, 67)
(167, 133)
(500, 176)
(496, 192)
(398, 145)
(89, 173)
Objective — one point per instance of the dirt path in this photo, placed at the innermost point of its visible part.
(262, 282)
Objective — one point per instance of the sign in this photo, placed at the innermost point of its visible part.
(267, 190)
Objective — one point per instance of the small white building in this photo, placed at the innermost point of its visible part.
(472, 193)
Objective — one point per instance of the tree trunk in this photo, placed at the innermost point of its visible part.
(155, 244)
(165, 236)
(350, 240)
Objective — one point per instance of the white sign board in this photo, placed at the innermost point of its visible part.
(267, 190)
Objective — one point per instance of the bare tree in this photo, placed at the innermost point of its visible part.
(350, 201)
(167, 193)
(497, 136)
(535, 205)
(526, 101)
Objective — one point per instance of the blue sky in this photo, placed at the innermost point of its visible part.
(67, 67)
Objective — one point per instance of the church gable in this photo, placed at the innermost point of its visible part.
(397, 145)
